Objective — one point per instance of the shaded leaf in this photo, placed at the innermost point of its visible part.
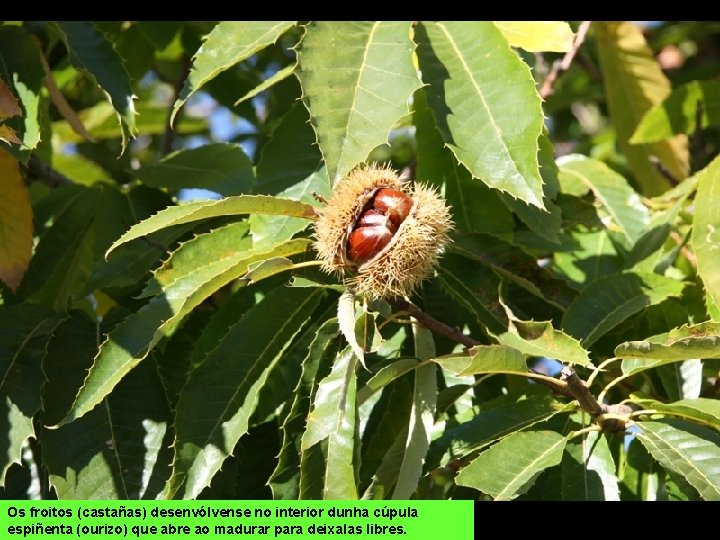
(705, 239)
(16, 223)
(484, 101)
(689, 450)
(508, 261)
(285, 480)
(422, 415)
(91, 51)
(588, 470)
(220, 167)
(538, 36)
(677, 113)
(611, 299)
(332, 419)
(24, 333)
(229, 42)
(495, 421)
(230, 206)
(119, 450)
(209, 425)
(357, 79)
(629, 215)
(634, 83)
(134, 338)
(492, 473)
(278, 76)
(385, 376)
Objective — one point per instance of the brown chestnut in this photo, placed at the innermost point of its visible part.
(393, 203)
(366, 242)
(373, 218)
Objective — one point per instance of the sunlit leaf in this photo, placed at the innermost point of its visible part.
(634, 84)
(687, 449)
(16, 223)
(229, 42)
(705, 238)
(538, 36)
(357, 79)
(485, 104)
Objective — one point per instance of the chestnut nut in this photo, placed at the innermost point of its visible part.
(377, 224)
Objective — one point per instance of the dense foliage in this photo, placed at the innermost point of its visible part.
(166, 330)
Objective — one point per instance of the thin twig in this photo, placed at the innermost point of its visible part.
(38, 170)
(689, 255)
(169, 135)
(569, 384)
(659, 167)
(431, 323)
(559, 66)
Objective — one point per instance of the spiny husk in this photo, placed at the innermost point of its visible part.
(409, 257)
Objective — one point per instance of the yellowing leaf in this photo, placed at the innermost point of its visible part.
(9, 135)
(9, 105)
(634, 84)
(536, 36)
(15, 223)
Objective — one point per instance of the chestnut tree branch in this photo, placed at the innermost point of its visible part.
(569, 384)
(559, 66)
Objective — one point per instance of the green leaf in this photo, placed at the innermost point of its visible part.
(476, 291)
(285, 480)
(485, 104)
(25, 330)
(630, 217)
(531, 453)
(495, 421)
(486, 359)
(588, 470)
(678, 112)
(332, 419)
(91, 51)
(634, 83)
(120, 450)
(278, 76)
(225, 241)
(608, 301)
(705, 239)
(134, 338)
(538, 36)
(520, 268)
(220, 167)
(100, 121)
(684, 343)
(590, 254)
(346, 322)
(385, 376)
(357, 79)
(542, 340)
(230, 206)
(22, 71)
(689, 450)
(63, 259)
(701, 410)
(639, 475)
(229, 42)
(475, 206)
(209, 425)
(422, 415)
